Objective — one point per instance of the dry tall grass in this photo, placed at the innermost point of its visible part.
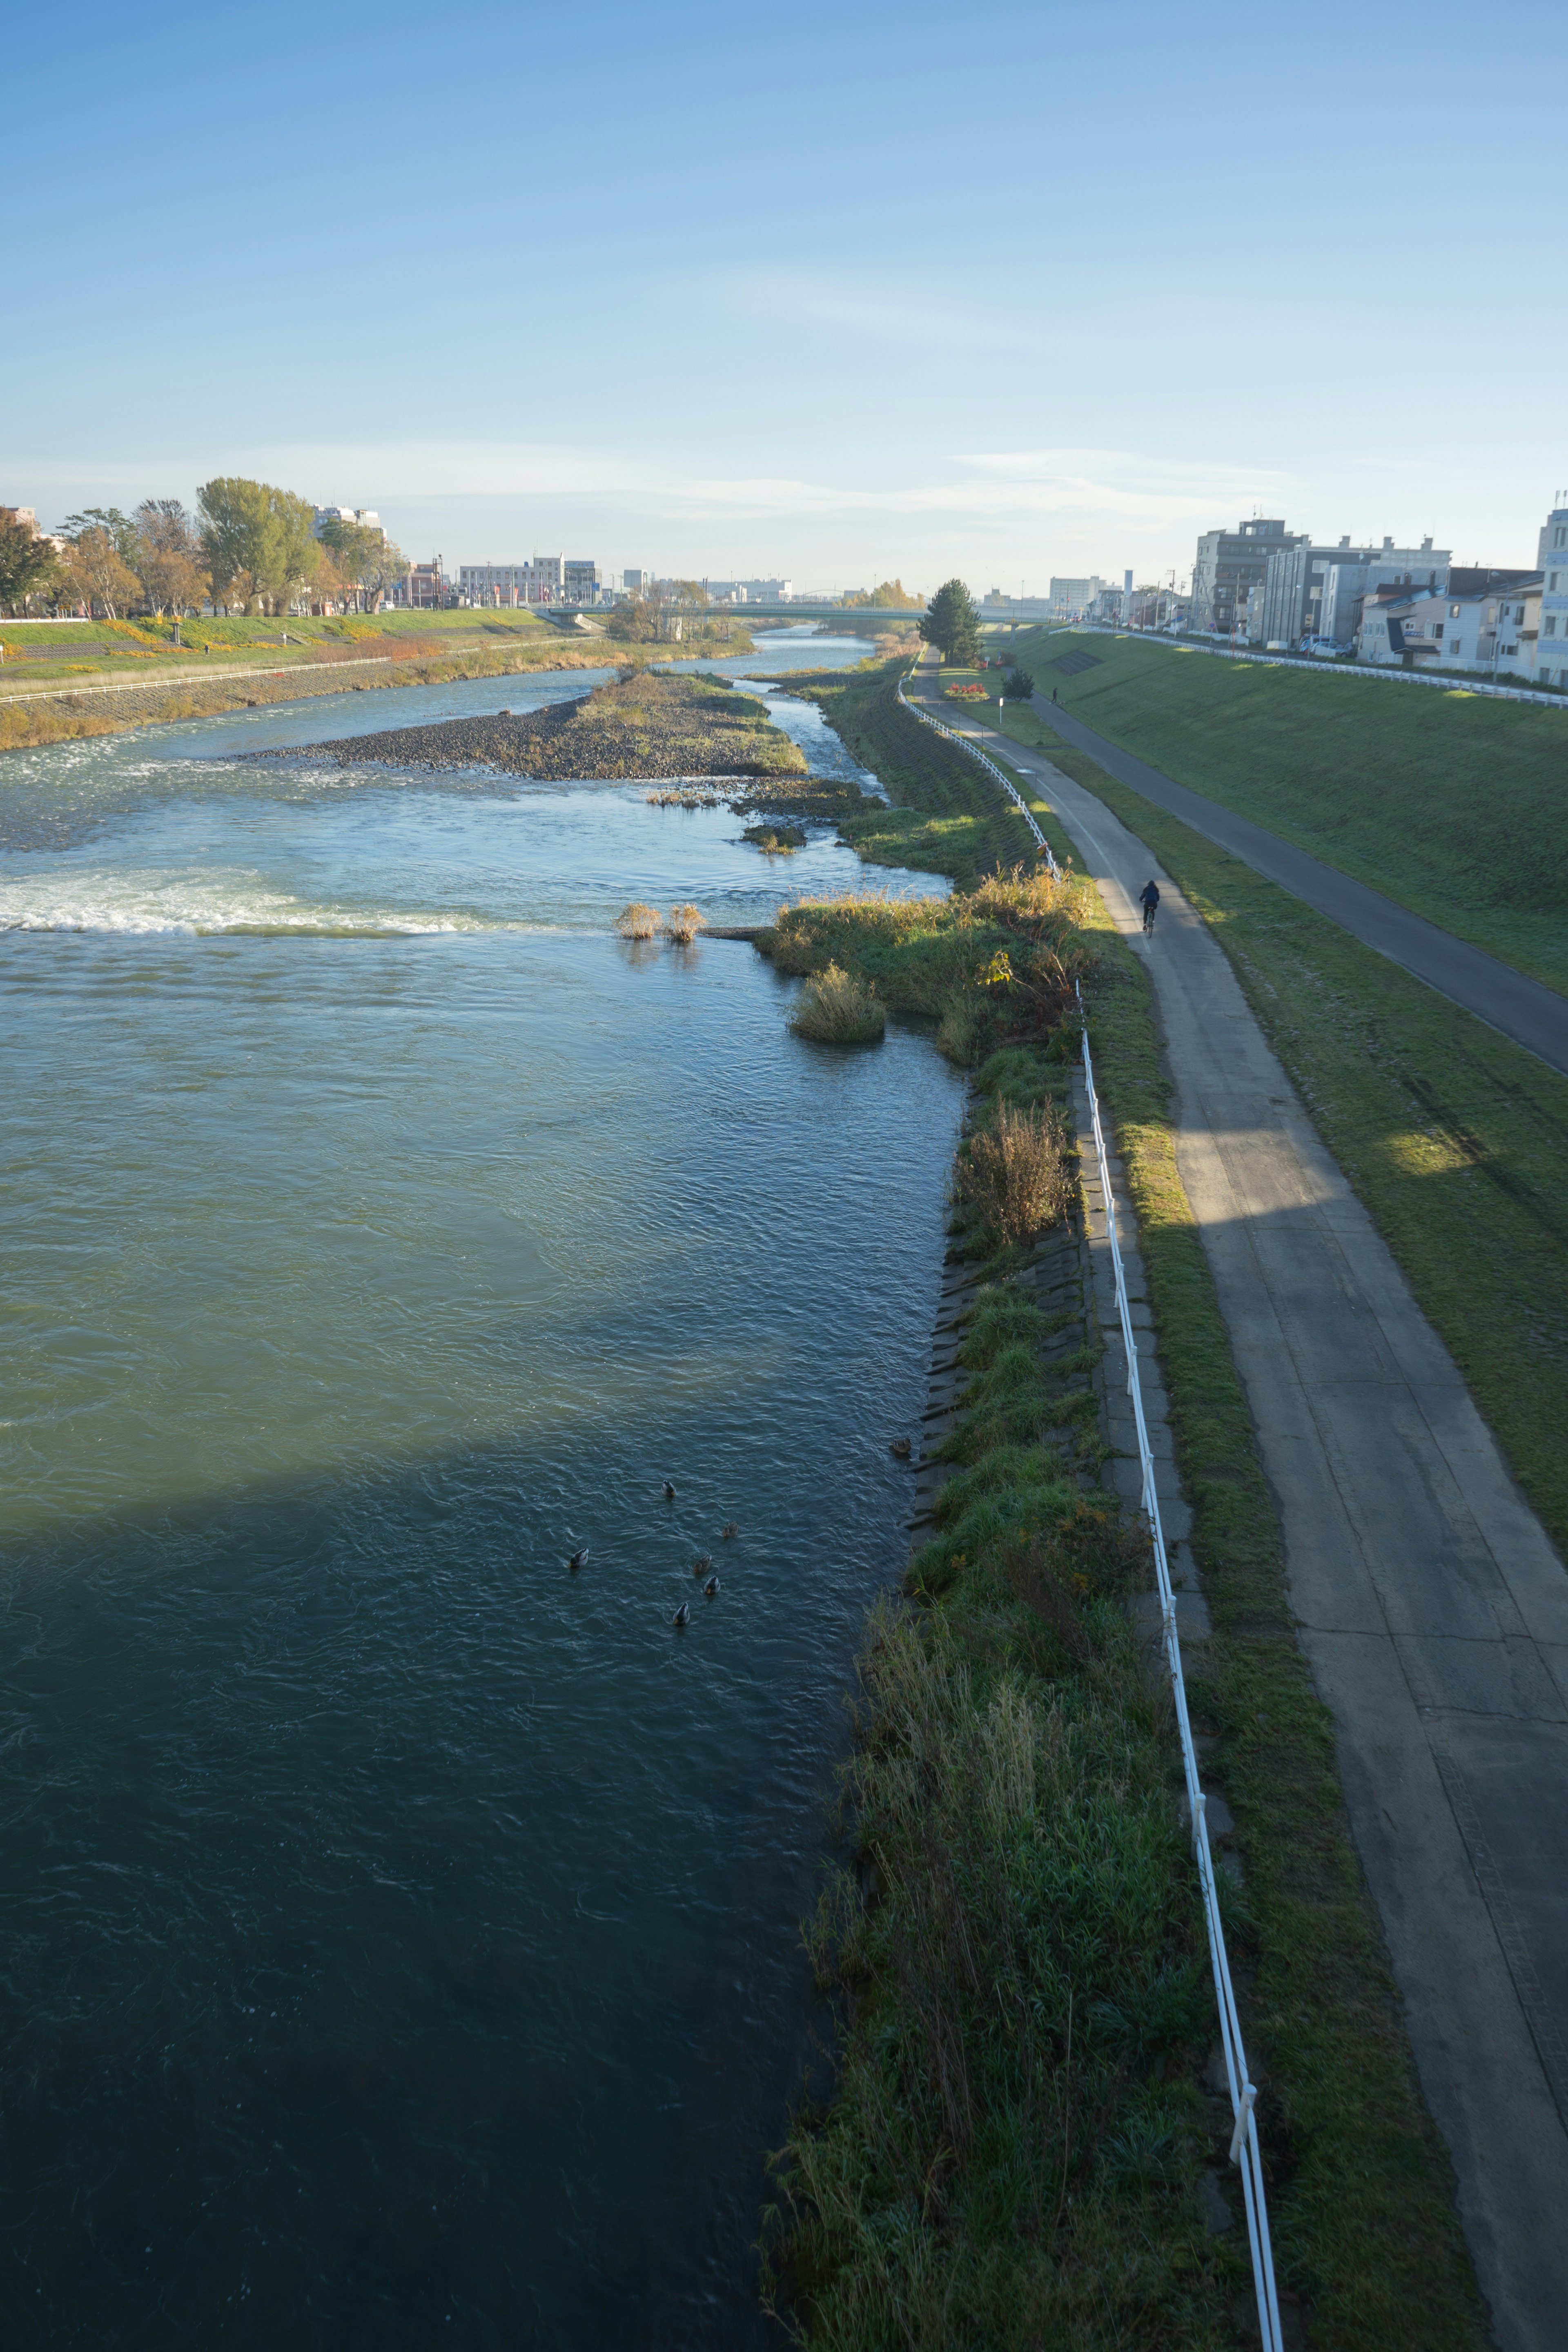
(1016, 1173)
(836, 1009)
(682, 924)
(637, 922)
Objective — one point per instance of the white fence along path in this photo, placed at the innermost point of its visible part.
(1244, 2151)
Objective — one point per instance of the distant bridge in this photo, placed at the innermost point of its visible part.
(797, 611)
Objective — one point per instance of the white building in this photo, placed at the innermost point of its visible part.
(1071, 598)
(492, 584)
(366, 518)
(1551, 555)
(543, 580)
(1483, 623)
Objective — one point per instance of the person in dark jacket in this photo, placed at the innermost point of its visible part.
(1149, 896)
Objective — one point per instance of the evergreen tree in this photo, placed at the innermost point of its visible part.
(952, 623)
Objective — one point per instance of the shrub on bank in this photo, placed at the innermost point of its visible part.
(991, 964)
(833, 1009)
(1016, 1174)
(682, 924)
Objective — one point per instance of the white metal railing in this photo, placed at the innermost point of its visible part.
(990, 766)
(1452, 681)
(1244, 2151)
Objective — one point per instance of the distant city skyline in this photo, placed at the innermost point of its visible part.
(1091, 289)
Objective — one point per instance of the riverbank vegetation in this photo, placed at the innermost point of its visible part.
(1448, 802)
(1016, 2147)
(834, 1008)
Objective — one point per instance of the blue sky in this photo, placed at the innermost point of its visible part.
(829, 290)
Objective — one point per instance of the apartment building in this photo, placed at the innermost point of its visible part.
(543, 580)
(1071, 599)
(1228, 565)
(493, 583)
(1483, 620)
(1552, 557)
(1309, 591)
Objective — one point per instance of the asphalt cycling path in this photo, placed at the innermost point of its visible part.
(1431, 1607)
(1532, 1014)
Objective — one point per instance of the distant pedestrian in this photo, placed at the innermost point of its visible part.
(1149, 896)
(1055, 694)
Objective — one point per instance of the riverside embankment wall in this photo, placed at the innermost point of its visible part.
(50, 714)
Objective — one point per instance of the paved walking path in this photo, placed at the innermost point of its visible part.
(1432, 1608)
(1532, 1014)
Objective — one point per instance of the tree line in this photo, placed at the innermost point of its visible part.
(248, 548)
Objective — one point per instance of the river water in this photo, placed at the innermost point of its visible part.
(400, 1940)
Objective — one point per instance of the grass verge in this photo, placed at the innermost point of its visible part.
(1454, 1138)
(1447, 802)
(944, 818)
(913, 2220)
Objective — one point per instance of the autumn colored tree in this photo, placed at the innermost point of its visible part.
(96, 576)
(890, 595)
(169, 560)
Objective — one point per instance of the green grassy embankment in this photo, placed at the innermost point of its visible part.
(1453, 1138)
(944, 819)
(405, 649)
(1454, 804)
(974, 2181)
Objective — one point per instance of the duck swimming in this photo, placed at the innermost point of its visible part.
(578, 1559)
(711, 1588)
(728, 1529)
(703, 1561)
(683, 1614)
(668, 1491)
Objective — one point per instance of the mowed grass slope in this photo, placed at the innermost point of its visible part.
(1453, 805)
(1454, 1138)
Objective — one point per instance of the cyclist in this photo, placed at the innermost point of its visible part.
(1149, 896)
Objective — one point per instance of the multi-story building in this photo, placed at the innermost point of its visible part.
(1228, 565)
(492, 584)
(1480, 620)
(1551, 556)
(1316, 592)
(1071, 599)
(543, 580)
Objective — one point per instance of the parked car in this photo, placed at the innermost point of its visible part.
(1326, 649)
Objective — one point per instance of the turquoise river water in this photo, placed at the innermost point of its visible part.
(399, 1937)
